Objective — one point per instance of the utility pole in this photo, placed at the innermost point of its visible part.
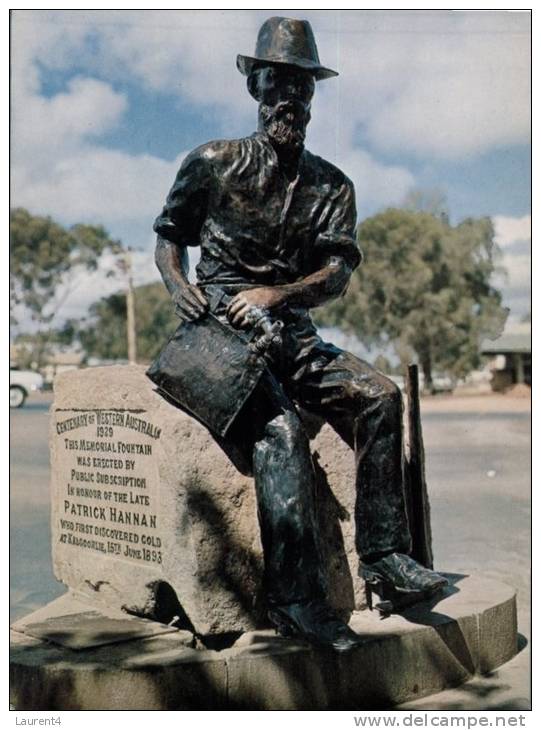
(130, 309)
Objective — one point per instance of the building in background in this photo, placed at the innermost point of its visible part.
(511, 358)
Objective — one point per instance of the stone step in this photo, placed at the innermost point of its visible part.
(471, 628)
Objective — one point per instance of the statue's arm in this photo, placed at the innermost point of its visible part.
(311, 291)
(323, 285)
(178, 226)
(172, 262)
(335, 248)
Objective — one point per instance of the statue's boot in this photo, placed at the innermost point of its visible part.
(399, 581)
(315, 622)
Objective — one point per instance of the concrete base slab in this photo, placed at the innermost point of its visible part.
(470, 629)
(76, 623)
(505, 688)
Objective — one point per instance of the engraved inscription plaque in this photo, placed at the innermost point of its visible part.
(107, 482)
(106, 523)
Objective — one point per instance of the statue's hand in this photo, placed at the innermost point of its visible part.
(264, 297)
(190, 303)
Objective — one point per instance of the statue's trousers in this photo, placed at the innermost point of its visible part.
(365, 408)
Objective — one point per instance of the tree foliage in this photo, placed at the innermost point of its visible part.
(432, 201)
(43, 255)
(45, 258)
(103, 333)
(424, 286)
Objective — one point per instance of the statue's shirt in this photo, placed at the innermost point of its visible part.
(254, 225)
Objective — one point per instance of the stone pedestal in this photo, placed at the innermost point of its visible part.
(150, 515)
(118, 663)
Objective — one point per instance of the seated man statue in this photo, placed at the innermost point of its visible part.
(276, 225)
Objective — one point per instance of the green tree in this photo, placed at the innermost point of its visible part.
(45, 261)
(103, 333)
(432, 201)
(155, 318)
(424, 286)
(383, 364)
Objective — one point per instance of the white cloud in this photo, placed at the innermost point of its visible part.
(376, 185)
(515, 283)
(49, 135)
(431, 84)
(59, 167)
(78, 303)
(518, 269)
(511, 230)
(517, 276)
(88, 108)
(96, 184)
(444, 84)
(189, 53)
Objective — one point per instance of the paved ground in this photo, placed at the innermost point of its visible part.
(478, 472)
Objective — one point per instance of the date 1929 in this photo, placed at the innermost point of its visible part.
(104, 431)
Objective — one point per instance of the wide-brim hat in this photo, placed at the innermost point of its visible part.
(287, 41)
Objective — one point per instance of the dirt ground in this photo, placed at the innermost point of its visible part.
(475, 403)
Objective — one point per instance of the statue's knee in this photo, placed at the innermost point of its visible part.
(391, 397)
(284, 437)
(287, 433)
(392, 391)
(381, 393)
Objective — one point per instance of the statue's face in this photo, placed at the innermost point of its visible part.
(284, 83)
(284, 93)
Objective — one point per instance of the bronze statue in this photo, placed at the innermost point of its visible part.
(276, 225)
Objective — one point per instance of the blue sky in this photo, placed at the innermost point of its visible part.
(105, 104)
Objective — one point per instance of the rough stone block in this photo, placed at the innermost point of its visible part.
(148, 512)
(335, 489)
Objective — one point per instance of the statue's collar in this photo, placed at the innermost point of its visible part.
(263, 138)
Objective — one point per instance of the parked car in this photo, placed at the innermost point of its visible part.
(440, 383)
(21, 384)
(443, 383)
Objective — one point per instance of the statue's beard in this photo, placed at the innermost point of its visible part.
(285, 124)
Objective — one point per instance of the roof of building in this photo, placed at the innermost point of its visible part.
(65, 356)
(507, 344)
